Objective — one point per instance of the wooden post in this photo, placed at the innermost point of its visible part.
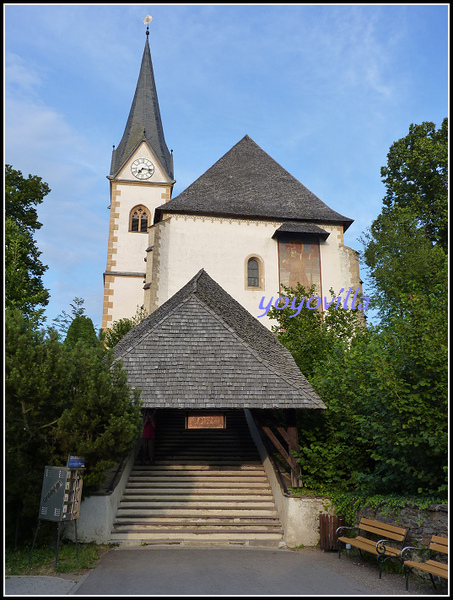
(293, 446)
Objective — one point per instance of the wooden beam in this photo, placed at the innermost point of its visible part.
(270, 434)
(291, 437)
(284, 434)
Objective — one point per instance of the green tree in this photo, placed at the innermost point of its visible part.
(22, 196)
(386, 427)
(311, 334)
(64, 320)
(402, 261)
(35, 395)
(60, 399)
(119, 328)
(81, 328)
(101, 420)
(24, 288)
(405, 249)
(320, 338)
(416, 178)
(386, 389)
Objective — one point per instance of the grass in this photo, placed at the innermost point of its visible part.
(43, 559)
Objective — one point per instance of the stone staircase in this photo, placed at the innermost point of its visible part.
(206, 487)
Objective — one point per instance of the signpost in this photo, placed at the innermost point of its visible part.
(61, 496)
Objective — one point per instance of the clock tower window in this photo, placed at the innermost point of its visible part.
(138, 220)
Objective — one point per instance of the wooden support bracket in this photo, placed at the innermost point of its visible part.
(292, 439)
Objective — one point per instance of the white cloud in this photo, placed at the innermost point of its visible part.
(18, 75)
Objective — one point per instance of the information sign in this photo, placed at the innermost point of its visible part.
(77, 462)
(61, 494)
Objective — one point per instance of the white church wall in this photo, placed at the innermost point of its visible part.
(130, 246)
(339, 264)
(127, 297)
(220, 246)
(187, 243)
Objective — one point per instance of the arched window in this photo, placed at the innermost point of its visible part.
(254, 272)
(138, 220)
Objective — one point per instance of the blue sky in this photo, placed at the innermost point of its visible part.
(324, 89)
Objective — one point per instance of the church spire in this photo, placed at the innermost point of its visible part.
(144, 122)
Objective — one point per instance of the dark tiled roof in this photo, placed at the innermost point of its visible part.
(144, 122)
(247, 182)
(301, 227)
(202, 349)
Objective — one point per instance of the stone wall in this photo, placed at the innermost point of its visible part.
(422, 522)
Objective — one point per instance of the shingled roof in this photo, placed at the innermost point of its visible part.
(247, 182)
(202, 349)
(301, 227)
(144, 123)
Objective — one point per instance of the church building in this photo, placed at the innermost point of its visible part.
(247, 221)
(224, 394)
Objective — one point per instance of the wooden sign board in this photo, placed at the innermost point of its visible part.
(205, 421)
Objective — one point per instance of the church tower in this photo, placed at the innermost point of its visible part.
(141, 178)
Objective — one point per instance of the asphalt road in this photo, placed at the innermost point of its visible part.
(183, 571)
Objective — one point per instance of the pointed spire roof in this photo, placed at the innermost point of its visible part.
(144, 122)
(247, 182)
(202, 349)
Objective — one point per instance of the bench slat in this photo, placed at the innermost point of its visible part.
(430, 566)
(383, 533)
(368, 545)
(440, 539)
(439, 543)
(387, 526)
(383, 529)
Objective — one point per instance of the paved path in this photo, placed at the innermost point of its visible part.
(179, 570)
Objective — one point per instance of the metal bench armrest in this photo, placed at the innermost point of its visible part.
(341, 528)
(405, 551)
(380, 546)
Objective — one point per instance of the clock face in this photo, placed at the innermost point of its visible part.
(142, 168)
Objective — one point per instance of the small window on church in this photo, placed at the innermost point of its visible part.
(254, 275)
(139, 219)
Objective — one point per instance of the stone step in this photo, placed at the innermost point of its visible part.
(201, 527)
(207, 462)
(205, 487)
(179, 481)
(233, 470)
(194, 520)
(143, 536)
(155, 493)
(210, 480)
(181, 502)
(200, 499)
(192, 511)
(201, 483)
(213, 458)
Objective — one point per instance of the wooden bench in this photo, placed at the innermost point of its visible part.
(384, 532)
(438, 544)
